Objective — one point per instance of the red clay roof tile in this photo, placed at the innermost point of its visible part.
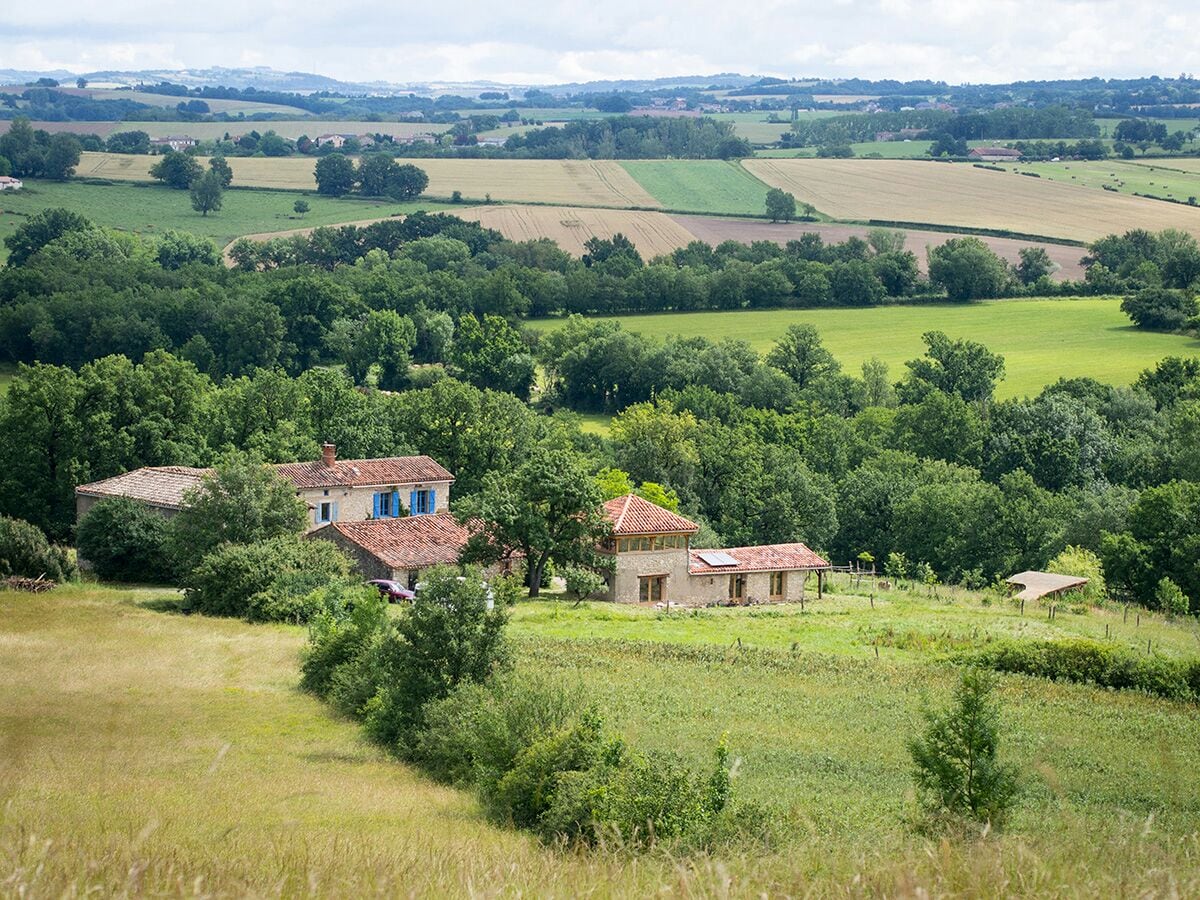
(632, 514)
(362, 472)
(767, 558)
(413, 542)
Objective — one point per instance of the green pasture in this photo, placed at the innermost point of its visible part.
(1157, 179)
(7, 374)
(154, 209)
(1041, 340)
(700, 185)
(130, 768)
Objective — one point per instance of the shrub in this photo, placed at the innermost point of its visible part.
(956, 764)
(1082, 563)
(1161, 308)
(582, 583)
(243, 502)
(475, 733)
(1095, 663)
(227, 579)
(25, 551)
(528, 791)
(445, 637)
(337, 637)
(1170, 599)
(124, 540)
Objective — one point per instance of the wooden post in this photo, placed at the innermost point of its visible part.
(872, 601)
(1139, 621)
(1107, 630)
(1125, 617)
(1022, 606)
(820, 583)
(1147, 646)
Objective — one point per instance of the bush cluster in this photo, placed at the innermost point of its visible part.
(25, 552)
(280, 579)
(1095, 663)
(436, 688)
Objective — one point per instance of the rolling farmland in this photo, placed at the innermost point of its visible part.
(651, 232)
(964, 196)
(565, 182)
(701, 185)
(1041, 340)
(153, 209)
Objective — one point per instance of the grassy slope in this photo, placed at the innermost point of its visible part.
(712, 186)
(1041, 340)
(155, 209)
(127, 766)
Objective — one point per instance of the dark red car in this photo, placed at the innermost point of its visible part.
(393, 590)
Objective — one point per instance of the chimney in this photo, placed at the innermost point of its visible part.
(328, 454)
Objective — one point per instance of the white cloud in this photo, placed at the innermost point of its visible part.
(572, 40)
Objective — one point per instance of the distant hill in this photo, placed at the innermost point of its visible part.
(268, 79)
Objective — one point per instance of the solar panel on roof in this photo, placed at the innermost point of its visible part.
(715, 558)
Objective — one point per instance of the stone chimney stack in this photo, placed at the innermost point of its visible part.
(329, 454)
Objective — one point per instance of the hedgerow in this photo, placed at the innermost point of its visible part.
(436, 688)
(1091, 662)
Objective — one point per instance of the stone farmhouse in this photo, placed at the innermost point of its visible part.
(653, 562)
(334, 490)
(391, 516)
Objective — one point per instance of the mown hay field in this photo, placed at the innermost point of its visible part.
(652, 233)
(1041, 340)
(249, 107)
(1160, 178)
(964, 196)
(565, 182)
(130, 768)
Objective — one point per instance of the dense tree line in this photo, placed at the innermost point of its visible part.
(29, 153)
(1010, 124)
(929, 470)
(631, 137)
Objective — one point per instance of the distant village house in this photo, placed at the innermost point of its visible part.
(178, 143)
(8, 183)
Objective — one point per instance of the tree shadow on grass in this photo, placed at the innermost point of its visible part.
(172, 605)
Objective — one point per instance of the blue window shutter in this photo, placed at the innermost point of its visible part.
(335, 511)
(412, 503)
(375, 498)
(432, 501)
(395, 504)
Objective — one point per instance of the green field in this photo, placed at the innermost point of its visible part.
(1041, 340)
(700, 185)
(155, 209)
(7, 374)
(1155, 178)
(131, 768)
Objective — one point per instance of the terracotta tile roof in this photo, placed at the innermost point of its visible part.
(767, 558)
(413, 542)
(361, 472)
(162, 486)
(632, 514)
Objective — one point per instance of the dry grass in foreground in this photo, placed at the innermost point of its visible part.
(145, 753)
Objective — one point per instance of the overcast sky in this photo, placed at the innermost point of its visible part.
(579, 40)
